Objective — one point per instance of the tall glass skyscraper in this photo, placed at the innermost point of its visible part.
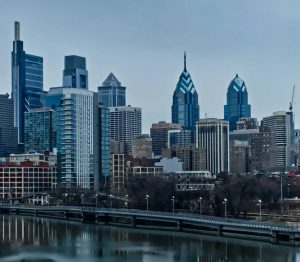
(27, 82)
(237, 102)
(8, 133)
(112, 93)
(185, 108)
(75, 74)
(74, 113)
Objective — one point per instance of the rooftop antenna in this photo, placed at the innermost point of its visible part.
(184, 60)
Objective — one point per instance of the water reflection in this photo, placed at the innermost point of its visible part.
(41, 239)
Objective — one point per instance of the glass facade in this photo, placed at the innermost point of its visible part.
(112, 93)
(185, 108)
(40, 130)
(74, 125)
(27, 82)
(104, 138)
(75, 74)
(8, 133)
(237, 102)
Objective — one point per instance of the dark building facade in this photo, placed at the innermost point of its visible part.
(237, 102)
(112, 93)
(27, 82)
(40, 133)
(185, 108)
(263, 150)
(159, 133)
(75, 74)
(8, 133)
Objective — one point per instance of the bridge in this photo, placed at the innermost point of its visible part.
(268, 231)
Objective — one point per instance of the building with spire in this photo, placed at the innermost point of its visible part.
(27, 82)
(112, 93)
(237, 102)
(185, 108)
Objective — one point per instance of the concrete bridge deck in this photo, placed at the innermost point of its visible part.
(275, 232)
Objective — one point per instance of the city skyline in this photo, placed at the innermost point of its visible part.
(263, 51)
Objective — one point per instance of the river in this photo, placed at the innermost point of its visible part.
(46, 240)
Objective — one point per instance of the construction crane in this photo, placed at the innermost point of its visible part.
(292, 100)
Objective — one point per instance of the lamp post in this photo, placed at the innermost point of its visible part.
(173, 203)
(225, 204)
(66, 196)
(126, 201)
(147, 201)
(96, 196)
(82, 195)
(110, 200)
(259, 204)
(200, 205)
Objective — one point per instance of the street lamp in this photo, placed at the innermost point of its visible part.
(126, 201)
(259, 204)
(96, 196)
(66, 196)
(173, 202)
(82, 195)
(200, 205)
(110, 198)
(147, 201)
(225, 204)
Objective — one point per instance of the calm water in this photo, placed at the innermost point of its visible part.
(39, 239)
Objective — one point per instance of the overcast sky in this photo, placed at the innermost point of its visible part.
(142, 43)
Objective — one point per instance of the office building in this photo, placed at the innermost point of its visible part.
(74, 113)
(213, 135)
(263, 150)
(185, 108)
(75, 74)
(8, 132)
(280, 123)
(237, 102)
(125, 125)
(101, 145)
(27, 82)
(142, 147)
(112, 93)
(247, 123)
(239, 156)
(40, 133)
(118, 174)
(27, 177)
(159, 133)
(182, 137)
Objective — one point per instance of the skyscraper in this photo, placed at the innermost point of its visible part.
(27, 82)
(185, 108)
(237, 102)
(281, 124)
(74, 112)
(213, 135)
(40, 135)
(8, 133)
(125, 125)
(112, 93)
(75, 74)
(159, 133)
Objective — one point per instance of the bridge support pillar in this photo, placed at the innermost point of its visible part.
(36, 212)
(133, 221)
(179, 225)
(274, 237)
(66, 215)
(220, 230)
(292, 238)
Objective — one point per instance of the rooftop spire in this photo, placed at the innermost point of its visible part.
(17, 31)
(184, 60)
